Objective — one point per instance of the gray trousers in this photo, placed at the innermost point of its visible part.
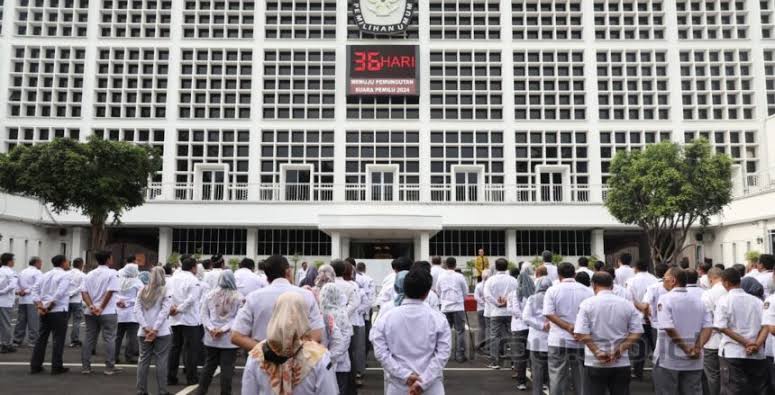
(500, 332)
(358, 350)
(481, 334)
(677, 382)
(160, 350)
(562, 363)
(26, 321)
(6, 339)
(540, 370)
(75, 311)
(710, 366)
(519, 355)
(107, 325)
(457, 320)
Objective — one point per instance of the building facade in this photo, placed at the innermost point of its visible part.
(520, 106)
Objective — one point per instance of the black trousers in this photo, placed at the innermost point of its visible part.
(51, 323)
(128, 330)
(742, 376)
(613, 381)
(223, 357)
(640, 351)
(186, 338)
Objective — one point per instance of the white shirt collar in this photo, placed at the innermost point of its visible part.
(281, 281)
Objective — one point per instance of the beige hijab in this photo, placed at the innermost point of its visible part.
(286, 340)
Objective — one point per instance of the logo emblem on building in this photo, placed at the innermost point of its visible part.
(383, 16)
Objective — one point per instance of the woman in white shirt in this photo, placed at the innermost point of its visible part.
(288, 362)
(125, 305)
(219, 309)
(152, 310)
(532, 316)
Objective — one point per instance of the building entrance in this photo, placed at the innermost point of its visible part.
(381, 249)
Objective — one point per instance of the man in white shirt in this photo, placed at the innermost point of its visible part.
(710, 357)
(75, 310)
(51, 302)
(9, 283)
(186, 290)
(583, 267)
(250, 324)
(551, 268)
(452, 288)
(608, 325)
(496, 295)
(247, 280)
(366, 285)
(768, 324)
(412, 341)
(703, 269)
(684, 327)
(561, 307)
(765, 266)
(738, 317)
(646, 290)
(27, 319)
(213, 275)
(436, 271)
(692, 283)
(98, 291)
(624, 271)
(301, 273)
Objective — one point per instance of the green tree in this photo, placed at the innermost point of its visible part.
(666, 188)
(99, 178)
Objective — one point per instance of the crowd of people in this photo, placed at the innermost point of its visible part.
(585, 328)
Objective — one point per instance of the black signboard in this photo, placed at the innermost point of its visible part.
(382, 70)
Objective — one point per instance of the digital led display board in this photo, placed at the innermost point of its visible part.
(382, 70)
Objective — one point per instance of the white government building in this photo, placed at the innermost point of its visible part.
(503, 142)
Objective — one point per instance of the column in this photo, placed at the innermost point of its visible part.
(165, 243)
(336, 245)
(511, 245)
(77, 249)
(252, 242)
(597, 244)
(345, 247)
(422, 246)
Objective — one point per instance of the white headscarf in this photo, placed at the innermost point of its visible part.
(128, 276)
(155, 288)
(225, 296)
(333, 302)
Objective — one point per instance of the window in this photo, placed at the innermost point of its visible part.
(564, 242)
(466, 84)
(465, 19)
(219, 19)
(135, 18)
(2, 7)
(215, 83)
(46, 82)
(354, 33)
(629, 20)
(717, 84)
(712, 19)
(52, 18)
(131, 83)
(611, 142)
(560, 148)
(741, 145)
(209, 241)
(300, 19)
(549, 84)
(633, 85)
(454, 242)
(302, 242)
(384, 107)
(546, 19)
(769, 75)
(767, 12)
(453, 148)
(146, 137)
(382, 147)
(212, 146)
(313, 147)
(35, 135)
(299, 84)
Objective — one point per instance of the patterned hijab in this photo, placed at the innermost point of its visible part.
(326, 275)
(155, 288)
(398, 287)
(542, 285)
(286, 355)
(526, 284)
(128, 276)
(225, 297)
(332, 301)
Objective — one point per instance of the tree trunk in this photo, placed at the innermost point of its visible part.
(98, 239)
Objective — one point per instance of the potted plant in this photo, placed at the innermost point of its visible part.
(234, 264)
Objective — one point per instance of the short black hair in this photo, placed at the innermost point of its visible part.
(275, 267)
(5, 258)
(402, 263)
(424, 265)
(217, 261)
(58, 260)
(34, 260)
(451, 263)
(361, 267)
(731, 275)
(679, 275)
(566, 270)
(168, 269)
(582, 278)
(740, 269)
(642, 265)
(684, 264)
(102, 257)
(351, 261)
(599, 265)
(436, 260)
(501, 264)
(610, 270)
(247, 263)
(78, 263)
(691, 276)
(603, 279)
(767, 260)
(262, 265)
(338, 266)
(625, 258)
(417, 283)
(720, 266)
(547, 256)
(660, 269)
(130, 259)
(207, 264)
(705, 267)
(187, 263)
(583, 262)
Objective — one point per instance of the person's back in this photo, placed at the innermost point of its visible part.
(212, 276)
(686, 314)
(624, 272)
(742, 313)
(608, 318)
(452, 290)
(563, 300)
(247, 280)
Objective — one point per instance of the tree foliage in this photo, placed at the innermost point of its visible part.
(99, 178)
(666, 188)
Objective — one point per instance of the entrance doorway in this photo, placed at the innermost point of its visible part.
(381, 249)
